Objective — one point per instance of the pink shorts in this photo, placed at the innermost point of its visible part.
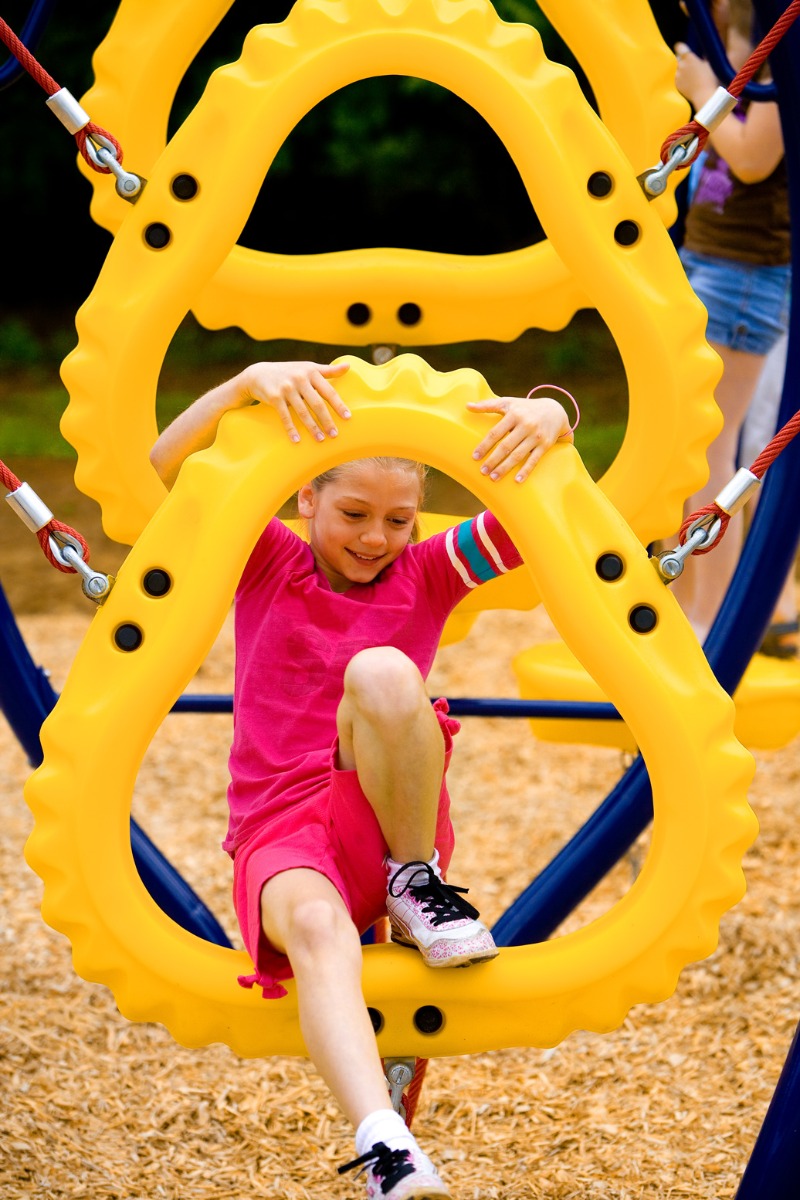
(337, 834)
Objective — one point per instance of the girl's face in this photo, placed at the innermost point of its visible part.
(360, 521)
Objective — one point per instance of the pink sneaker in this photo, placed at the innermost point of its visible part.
(431, 916)
(399, 1174)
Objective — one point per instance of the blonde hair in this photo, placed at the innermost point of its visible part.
(418, 469)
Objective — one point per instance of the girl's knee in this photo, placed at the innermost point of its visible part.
(318, 929)
(383, 679)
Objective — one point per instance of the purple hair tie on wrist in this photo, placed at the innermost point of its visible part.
(552, 387)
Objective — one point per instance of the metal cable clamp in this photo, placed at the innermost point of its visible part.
(706, 529)
(399, 1073)
(103, 152)
(654, 181)
(69, 552)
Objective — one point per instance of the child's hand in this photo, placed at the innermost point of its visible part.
(518, 440)
(694, 78)
(299, 389)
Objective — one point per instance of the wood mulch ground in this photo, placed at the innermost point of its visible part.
(666, 1107)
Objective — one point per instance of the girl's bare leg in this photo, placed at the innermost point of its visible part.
(389, 734)
(701, 588)
(303, 915)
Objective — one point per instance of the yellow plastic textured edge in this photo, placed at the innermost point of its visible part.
(767, 700)
(640, 289)
(113, 702)
(324, 46)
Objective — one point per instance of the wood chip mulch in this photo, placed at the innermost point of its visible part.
(666, 1108)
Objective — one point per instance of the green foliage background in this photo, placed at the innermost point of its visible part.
(385, 161)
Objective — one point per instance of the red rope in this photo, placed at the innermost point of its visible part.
(26, 59)
(12, 483)
(46, 81)
(411, 1095)
(759, 467)
(55, 526)
(737, 85)
(781, 440)
(8, 478)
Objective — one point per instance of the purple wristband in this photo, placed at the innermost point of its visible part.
(552, 387)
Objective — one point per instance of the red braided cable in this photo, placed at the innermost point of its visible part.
(764, 49)
(707, 509)
(81, 138)
(759, 467)
(12, 483)
(46, 81)
(780, 441)
(737, 85)
(26, 59)
(411, 1095)
(55, 526)
(8, 477)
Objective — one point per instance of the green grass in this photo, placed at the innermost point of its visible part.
(598, 445)
(582, 358)
(29, 423)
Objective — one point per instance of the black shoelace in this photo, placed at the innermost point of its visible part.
(388, 1165)
(437, 897)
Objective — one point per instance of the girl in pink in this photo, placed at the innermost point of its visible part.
(339, 811)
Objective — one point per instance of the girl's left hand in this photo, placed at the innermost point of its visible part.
(694, 78)
(526, 430)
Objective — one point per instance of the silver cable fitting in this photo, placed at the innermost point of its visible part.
(69, 552)
(702, 533)
(30, 508)
(399, 1073)
(716, 109)
(69, 112)
(103, 152)
(738, 491)
(654, 182)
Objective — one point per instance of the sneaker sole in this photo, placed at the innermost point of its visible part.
(458, 960)
(426, 1193)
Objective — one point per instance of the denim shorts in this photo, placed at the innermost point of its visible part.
(748, 305)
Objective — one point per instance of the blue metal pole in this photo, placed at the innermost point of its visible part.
(460, 706)
(774, 1166)
(773, 1171)
(26, 698)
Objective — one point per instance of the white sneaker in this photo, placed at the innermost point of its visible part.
(399, 1174)
(431, 916)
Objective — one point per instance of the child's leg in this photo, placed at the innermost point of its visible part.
(303, 915)
(389, 734)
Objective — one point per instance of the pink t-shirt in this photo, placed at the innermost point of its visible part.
(295, 637)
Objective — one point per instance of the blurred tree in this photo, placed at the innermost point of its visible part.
(392, 160)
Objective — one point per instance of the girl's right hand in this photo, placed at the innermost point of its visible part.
(299, 389)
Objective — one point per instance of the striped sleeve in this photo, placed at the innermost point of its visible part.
(480, 549)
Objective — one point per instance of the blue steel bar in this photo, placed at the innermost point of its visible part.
(26, 699)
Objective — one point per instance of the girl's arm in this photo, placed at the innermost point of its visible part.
(752, 148)
(526, 430)
(294, 389)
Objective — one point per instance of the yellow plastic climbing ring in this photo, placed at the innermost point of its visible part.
(608, 604)
(176, 238)
(496, 66)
